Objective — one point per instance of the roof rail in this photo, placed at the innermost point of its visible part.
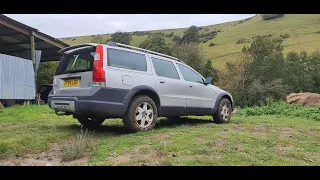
(111, 43)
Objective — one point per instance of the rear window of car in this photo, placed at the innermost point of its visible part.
(77, 61)
(126, 60)
(165, 68)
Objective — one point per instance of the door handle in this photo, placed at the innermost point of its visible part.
(162, 81)
(191, 86)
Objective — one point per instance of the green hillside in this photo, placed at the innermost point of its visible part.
(303, 31)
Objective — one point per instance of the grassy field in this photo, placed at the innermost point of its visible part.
(303, 31)
(34, 135)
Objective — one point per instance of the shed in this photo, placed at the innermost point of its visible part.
(23, 45)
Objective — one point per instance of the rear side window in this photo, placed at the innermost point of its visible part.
(77, 61)
(165, 68)
(127, 60)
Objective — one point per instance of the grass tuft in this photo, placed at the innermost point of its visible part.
(78, 147)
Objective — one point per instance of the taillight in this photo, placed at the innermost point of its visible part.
(98, 78)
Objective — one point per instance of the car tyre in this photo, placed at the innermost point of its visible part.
(141, 114)
(224, 112)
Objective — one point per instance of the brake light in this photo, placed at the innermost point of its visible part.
(98, 76)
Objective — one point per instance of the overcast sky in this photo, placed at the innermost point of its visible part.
(66, 25)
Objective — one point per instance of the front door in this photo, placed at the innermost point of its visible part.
(200, 97)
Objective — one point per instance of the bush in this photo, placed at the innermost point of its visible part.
(271, 107)
(242, 40)
(271, 16)
(156, 42)
(97, 39)
(121, 37)
(169, 35)
(205, 37)
(212, 44)
(177, 39)
(46, 72)
(284, 36)
(206, 29)
(141, 33)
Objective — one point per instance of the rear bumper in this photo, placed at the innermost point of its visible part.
(93, 105)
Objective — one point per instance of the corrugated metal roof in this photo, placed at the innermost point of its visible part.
(13, 41)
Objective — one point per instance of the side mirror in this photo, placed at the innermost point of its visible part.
(208, 80)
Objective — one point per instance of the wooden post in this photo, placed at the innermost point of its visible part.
(33, 58)
(33, 52)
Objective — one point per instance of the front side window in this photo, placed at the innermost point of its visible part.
(165, 68)
(127, 60)
(189, 75)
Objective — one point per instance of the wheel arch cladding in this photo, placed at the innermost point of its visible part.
(223, 95)
(143, 90)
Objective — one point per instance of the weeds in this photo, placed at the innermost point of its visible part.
(281, 108)
(78, 147)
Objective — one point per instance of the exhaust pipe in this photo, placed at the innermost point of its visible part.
(60, 113)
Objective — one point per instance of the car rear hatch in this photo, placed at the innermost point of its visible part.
(77, 69)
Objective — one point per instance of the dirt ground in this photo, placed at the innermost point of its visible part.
(45, 158)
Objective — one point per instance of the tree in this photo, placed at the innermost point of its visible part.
(208, 70)
(267, 59)
(270, 16)
(156, 42)
(257, 75)
(191, 35)
(191, 54)
(46, 72)
(121, 37)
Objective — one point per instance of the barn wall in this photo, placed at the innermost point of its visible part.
(16, 78)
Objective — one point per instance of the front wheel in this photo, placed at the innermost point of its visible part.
(141, 115)
(91, 123)
(223, 113)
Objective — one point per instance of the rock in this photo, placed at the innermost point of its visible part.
(235, 111)
(304, 99)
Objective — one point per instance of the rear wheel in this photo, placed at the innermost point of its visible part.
(141, 115)
(91, 123)
(223, 113)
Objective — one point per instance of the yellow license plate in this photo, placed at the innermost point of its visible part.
(72, 82)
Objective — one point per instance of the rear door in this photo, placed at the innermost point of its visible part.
(73, 76)
(171, 89)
